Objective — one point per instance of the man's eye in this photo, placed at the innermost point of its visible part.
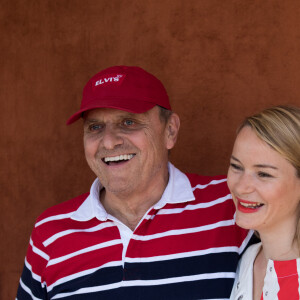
(95, 127)
(128, 122)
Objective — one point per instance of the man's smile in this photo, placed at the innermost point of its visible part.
(118, 158)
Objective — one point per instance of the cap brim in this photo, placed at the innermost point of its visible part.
(132, 106)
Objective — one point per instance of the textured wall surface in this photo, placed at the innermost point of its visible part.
(219, 60)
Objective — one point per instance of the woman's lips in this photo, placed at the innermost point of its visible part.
(248, 206)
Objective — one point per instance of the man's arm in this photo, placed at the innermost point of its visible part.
(31, 284)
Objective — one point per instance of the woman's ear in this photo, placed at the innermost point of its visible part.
(172, 129)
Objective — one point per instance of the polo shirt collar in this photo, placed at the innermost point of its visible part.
(178, 190)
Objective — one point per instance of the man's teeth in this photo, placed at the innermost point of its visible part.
(251, 205)
(118, 158)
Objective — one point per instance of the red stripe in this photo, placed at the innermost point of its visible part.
(203, 240)
(83, 262)
(287, 279)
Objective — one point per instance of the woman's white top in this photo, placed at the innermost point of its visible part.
(281, 280)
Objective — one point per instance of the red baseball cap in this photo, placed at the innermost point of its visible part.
(121, 87)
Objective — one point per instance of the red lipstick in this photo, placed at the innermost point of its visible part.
(247, 210)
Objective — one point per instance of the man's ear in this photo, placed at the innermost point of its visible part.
(172, 129)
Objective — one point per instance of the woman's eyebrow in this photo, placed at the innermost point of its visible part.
(265, 166)
(257, 165)
(234, 158)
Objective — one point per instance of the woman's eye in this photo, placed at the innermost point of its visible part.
(236, 167)
(264, 175)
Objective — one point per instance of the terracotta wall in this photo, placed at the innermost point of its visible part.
(219, 60)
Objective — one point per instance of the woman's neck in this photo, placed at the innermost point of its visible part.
(279, 244)
(279, 247)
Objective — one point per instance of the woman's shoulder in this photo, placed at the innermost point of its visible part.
(243, 284)
(247, 260)
(251, 252)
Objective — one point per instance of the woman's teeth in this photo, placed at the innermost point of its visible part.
(251, 205)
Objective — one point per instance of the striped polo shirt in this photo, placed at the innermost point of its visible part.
(186, 246)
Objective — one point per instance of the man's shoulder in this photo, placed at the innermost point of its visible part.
(209, 188)
(204, 178)
(62, 209)
(196, 179)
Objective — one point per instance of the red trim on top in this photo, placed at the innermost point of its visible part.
(287, 279)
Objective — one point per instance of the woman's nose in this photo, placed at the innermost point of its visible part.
(244, 184)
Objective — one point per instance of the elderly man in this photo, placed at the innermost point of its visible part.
(145, 230)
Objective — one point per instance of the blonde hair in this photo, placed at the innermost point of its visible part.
(279, 127)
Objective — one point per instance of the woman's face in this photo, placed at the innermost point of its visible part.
(263, 184)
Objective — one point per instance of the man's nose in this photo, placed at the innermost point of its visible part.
(111, 138)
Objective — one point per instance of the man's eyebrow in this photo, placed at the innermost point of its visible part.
(125, 115)
(89, 121)
(130, 115)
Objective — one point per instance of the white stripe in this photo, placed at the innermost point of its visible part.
(38, 251)
(213, 182)
(183, 231)
(132, 283)
(90, 290)
(179, 279)
(83, 273)
(196, 206)
(33, 275)
(70, 231)
(298, 271)
(53, 218)
(28, 291)
(85, 250)
(182, 255)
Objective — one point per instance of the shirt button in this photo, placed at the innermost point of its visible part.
(240, 297)
(266, 293)
(238, 285)
(271, 269)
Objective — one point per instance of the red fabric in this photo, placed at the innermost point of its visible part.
(287, 279)
(126, 88)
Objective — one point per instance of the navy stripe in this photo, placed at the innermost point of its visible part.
(206, 289)
(210, 263)
(32, 284)
(101, 277)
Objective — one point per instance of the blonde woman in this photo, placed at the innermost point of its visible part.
(264, 180)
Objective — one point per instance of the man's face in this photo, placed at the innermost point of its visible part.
(128, 152)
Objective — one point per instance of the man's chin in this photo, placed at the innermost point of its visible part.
(119, 189)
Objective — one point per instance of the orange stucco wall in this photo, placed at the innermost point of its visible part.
(219, 60)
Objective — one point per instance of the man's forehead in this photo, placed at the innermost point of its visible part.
(100, 113)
